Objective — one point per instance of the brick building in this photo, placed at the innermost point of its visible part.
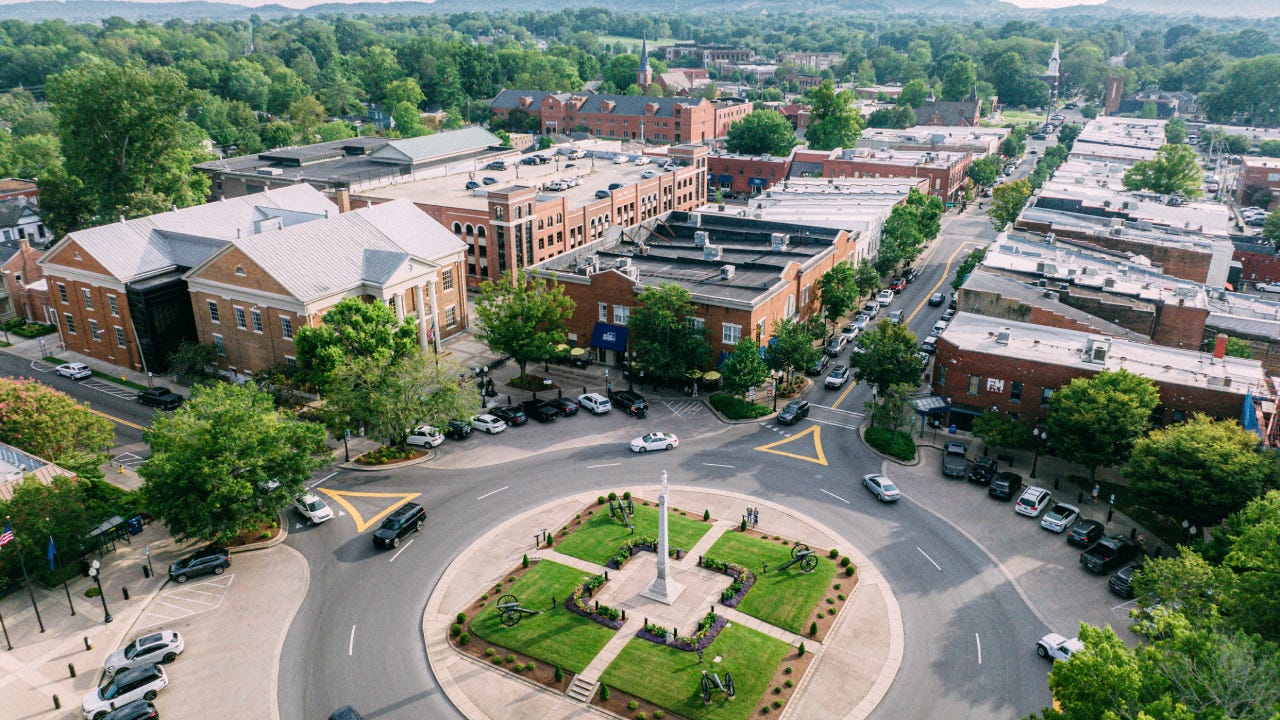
(13, 188)
(944, 170)
(708, 55)
(1259, 174)
(746, 174)
(23, 290)
(630, 117)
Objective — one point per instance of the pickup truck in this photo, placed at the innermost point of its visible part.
(161, 397)
(1108, 553)
(954, 462)
(1056, 647)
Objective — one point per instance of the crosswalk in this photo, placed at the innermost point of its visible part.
(110, 388)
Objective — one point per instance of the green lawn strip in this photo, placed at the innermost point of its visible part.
(556, 637)
(672, 678)
(786, 599)
(100, 375)
(600, 536)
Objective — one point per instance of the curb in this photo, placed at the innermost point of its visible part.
(862, 435)
(280, 537)
(745, 421)
(428, 456)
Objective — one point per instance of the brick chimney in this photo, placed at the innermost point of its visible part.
(1220, 346)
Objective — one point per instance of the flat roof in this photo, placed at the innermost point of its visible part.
(1124, 132)
(846, 203)
(1207, 218)
(899, 158)
(984, 279)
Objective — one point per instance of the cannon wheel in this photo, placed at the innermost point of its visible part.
(510, 617)
(809, 563)
(797, 549)
(706, 689)
(728, 685)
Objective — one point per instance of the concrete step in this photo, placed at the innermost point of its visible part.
(581, 690)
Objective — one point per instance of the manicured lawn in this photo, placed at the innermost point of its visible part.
(600, 536)
(786, 599)
(557, 637)
(672, 678)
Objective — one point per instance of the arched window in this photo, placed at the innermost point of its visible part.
(480, 231)
(469, 230)
(457, 228)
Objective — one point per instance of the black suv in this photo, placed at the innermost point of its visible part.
(457, 430)
(1108, 553)
(1005, 485)
(212, 559)
(983, 469)
(407, 518)
(820, 366)
(512, 415)
(161, 397)
(136, 710)
(541, 410)
(1122, 582)
(795, 411)
(627, 399)
(1084, 533)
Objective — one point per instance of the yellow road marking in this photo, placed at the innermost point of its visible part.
(946, 276)
(815, 431)
(115, 419)
(362, 524)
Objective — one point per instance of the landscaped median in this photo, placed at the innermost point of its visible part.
(600, 536)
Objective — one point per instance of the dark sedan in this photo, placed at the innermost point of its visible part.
(820, 366)
(1005, 485)
(566, 406)
(982, 470)
(457, 430)
(794, 411)
(1084, 533)
(512, 415)
(541, 410)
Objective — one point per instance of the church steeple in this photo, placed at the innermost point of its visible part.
(644, 76)
(1054, 60)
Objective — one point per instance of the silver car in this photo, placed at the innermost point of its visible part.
(1059, 517)
(882, 487)
(163, 646)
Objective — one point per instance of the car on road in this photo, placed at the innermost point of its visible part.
(1059, 517)
(541, 410)
(162, 646)
(1084, 533)
(457, 430)
(1056, 647)
(425, 436)
(849, 333)
(161, 397)
(136, 710)
(140, 683)
(211, 559)
(489, 423)
(871, 309)
(929, 345)
(1108, 553)
(819, 366)
(407, 518)
(627, 399)
(566, 406)
(882, 487)
(983, 469)
(75, 371)
(834, 346)
(1122, 582)
(954, 460)
(860, 321)
(897, 317)
(936, 299)
(311, 507)
(885, 298)
(1034, 500)
(512, 415)
(793, 411)
(1005, 485)
(654, 441)
(1267, 287)
(898, 284)
(838, 376)
(595, 403)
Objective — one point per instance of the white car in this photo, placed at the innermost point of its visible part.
(654, 441)
(163, 646)
(311, 507)
(140, 683)
(1060, 517)
(938, 327)
(643, 160)
(884, 298)
(75, 371)
(860, 321)
(620, 160)
(1033, 501)
(648, 174)
(489, 424)
(425, 436)
(849, 332)
(837, 378)
(595, 403)
(1056, 647)
(882, 487)
(1267, 287)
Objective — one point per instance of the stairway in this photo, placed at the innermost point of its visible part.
(581, 690)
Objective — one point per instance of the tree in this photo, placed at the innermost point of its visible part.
(1102, 678)
(351, 329)
(389, 396)
(833, 120)
(959, 80)
(763, 131)
(886, 356)
(900, 239)
(408, 120)
(1253, 536)
(1089, 112)
(227, 462)
(1012, 147)
(971, 261)
(1269, 148)
(985, 170)
(1174, 169)
(791, 348)
(1067, 135)
(1094, 421)
(663, 334)
(1271, 228)
(1246, 94)
(1175, 131)
(1007, 200)
(1185, 581)
(866, 278)
(1238, 347)
(39, 511)
(898, 116)
(744, 367)
(522, 317)
(279, 133)
(307, 114)
(1002, 430)
(48, 424)
(839, 288)
(914, 94)
(406, 90)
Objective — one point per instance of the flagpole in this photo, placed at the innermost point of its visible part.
(23, 564)
(6, 632)
(53, 553)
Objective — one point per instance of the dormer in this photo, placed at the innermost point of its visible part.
(651, 108)
(525, 101)
(607, 105)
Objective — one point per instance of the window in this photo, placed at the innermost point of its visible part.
(1015, 391)
(240, 322)
(620, 314)
(286, 328)
(221, 346)
(446, 279)
(804, 297)
(291, 361)
(730, 334)
(119, 335)
(697, 324)
(62, 293)
(603, 311)
(791, 304)
(1045, 394)
(213, 311)
(113, 304)
(93, 328)
(88, 298)
(450, 316)
(71, 323)
(974, 381)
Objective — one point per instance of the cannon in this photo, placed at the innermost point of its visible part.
(711, 682)
(510, 613)
(804, 557)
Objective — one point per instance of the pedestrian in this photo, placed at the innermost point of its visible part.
(1094, 494)
(755, 517)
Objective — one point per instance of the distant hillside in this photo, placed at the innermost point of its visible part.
(1234, 8)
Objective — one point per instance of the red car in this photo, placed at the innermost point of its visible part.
(898, 284)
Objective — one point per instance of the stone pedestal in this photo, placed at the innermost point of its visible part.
(664, 588)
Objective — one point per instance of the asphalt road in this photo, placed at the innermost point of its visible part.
(114, 401)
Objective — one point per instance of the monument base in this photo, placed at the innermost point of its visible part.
(663, 590)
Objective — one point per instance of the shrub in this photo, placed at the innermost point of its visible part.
(604, 693)
(455, 630)
(530, 666)
(551, 540)
(511, 578)
(831, 611)
(736, 408)
(894, 443)
(844, 561)
(836, 586)
(641, 716)
(848, 571)
(464, 638)
(788, 683)
(742, 526)
(777, 704)
(633, 705)
(831, 601)
(841, 596)
(777, 690)
(489, 652)
(764, 710)
(613, 496)
(461, 618)
(706, 515)
(786, 670)
(658, 715)
(626, 495)
(495, 660)
(484, 597)
(800, 650)
(524, 561)
(559, 674)
(833, 553)
(511, 658)
(92, 592)
(813, 629)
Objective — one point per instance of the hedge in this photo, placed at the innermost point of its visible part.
(893, 443)
(735, 408)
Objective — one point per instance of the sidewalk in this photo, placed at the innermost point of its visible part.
(37, 349)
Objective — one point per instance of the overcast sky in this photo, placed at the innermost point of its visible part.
(306, 3)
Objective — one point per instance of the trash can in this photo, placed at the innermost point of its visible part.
(135, 525)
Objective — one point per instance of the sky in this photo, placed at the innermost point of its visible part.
(306, 3)
(1052, 3)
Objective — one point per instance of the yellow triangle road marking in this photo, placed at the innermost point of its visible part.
(340, 497)
(819, 457)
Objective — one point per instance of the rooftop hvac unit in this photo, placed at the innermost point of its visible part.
(778, 241)
(1002, 337)
(270, 171)
(1109, 282)
(623, 263)
(700, 238)
(726, 272)
(1095, 351)
(695, 219)
(711, 252)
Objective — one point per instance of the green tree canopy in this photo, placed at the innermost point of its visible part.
(389, 396)
(744, 367)
(522, 317)
(971, 261)
(352, 329)
(959, 81)
(663, 333)
(1007, 200)
(1094, 421)
(227, 462)
(833, 120)
(985, 170)
(763, 131)
(886, 356)
(791, 349)
(1174, 169)
(914, 94)
(1175, 131)
(50, 425)
(1253, 538)
(1003, 430)
(866, 277)
(1271, 228)
(840, 293)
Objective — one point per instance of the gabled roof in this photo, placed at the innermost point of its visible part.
(949, 113)
(429, 147)
(13, 211)
(510, 99)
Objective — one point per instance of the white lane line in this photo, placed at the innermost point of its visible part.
(846, 502)
(717, 465)
(406, 547)
(593, 467)
(828, 422)
(926, 557)
(351, 643)
(978, 640)
(495, 492)
(842, 412)
(326, 477)
(1124, 604)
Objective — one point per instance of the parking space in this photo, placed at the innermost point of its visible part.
(183, 601)
(128, 460)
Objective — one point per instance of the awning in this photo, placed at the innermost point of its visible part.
(758, 182)
(724, 179)
(609, 337)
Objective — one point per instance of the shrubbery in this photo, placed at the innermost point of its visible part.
(893, 443)
(735, 408)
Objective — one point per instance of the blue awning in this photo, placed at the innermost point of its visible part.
(609, 337)
(725, 179)
(758, 182)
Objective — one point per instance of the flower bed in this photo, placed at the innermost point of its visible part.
(743, 579)
(641, 543)
(708, 628)
(578, 603)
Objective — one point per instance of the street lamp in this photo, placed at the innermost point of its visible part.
(1191, 530)
(1042, 439)
(95, 572)
(482, 374)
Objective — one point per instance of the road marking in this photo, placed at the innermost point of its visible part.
(717, 465)
(978, 640)
(340, 497)
(326, 477)
(836, 424)
(846, 502)
(116, 420)
(406, 547)
(1124, 604)
(495, 492)
(926, 557)
(946, 272)
(819, 458)
(593, 467)
(843, 412)
(351, 643)
(844, 394)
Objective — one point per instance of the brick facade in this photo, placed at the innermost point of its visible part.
(741, 169)
(1258, 267)
(1256, 173)
(82, 293)
(946, 182)
(1186, 262)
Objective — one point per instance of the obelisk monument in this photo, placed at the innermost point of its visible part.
(663, 588)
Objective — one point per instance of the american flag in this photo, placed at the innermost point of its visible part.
(7, 536)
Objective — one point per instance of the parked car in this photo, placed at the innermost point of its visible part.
(885, 298)
(565, 406)
(489, 423)
(615, 186)
(212, 559)
(1056, 647)
(909, 274)
(1005, 485)
(1034, 500)
(849, 333)
(838, 376)
(621, 160)
(871, 310)
(1122, 582)
(938, 328)
(407, 518)
(472, 185)
(654, 441)
(818, 367)
(793, 411)
(952, 304)
(602, 194)
(648, 174)
(882, 487)
(161, 397)
(496, 165)
(136, 710)
(1108, 553)
(139, 683)
(1267, 287)
(162, 646)
(983, 469)
(860, 321)
(936, 299)
(595, 403)
(948, 314)
(898, 284)
(1059, 517)
(425, 436)
(897, 317)
(541, 410)
(929, 345)
(512, 415)
(457, 430)
(75, 371)
(834, 346)
(643, 160)
(627, 399)
(311, 507)
(489, 180)
(1084, 533)
(954, 460)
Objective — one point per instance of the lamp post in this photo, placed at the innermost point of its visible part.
(95, 572)
(608, 387)
(1191, 530)
(774, 390)
(1042, 439)
(482, 373)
